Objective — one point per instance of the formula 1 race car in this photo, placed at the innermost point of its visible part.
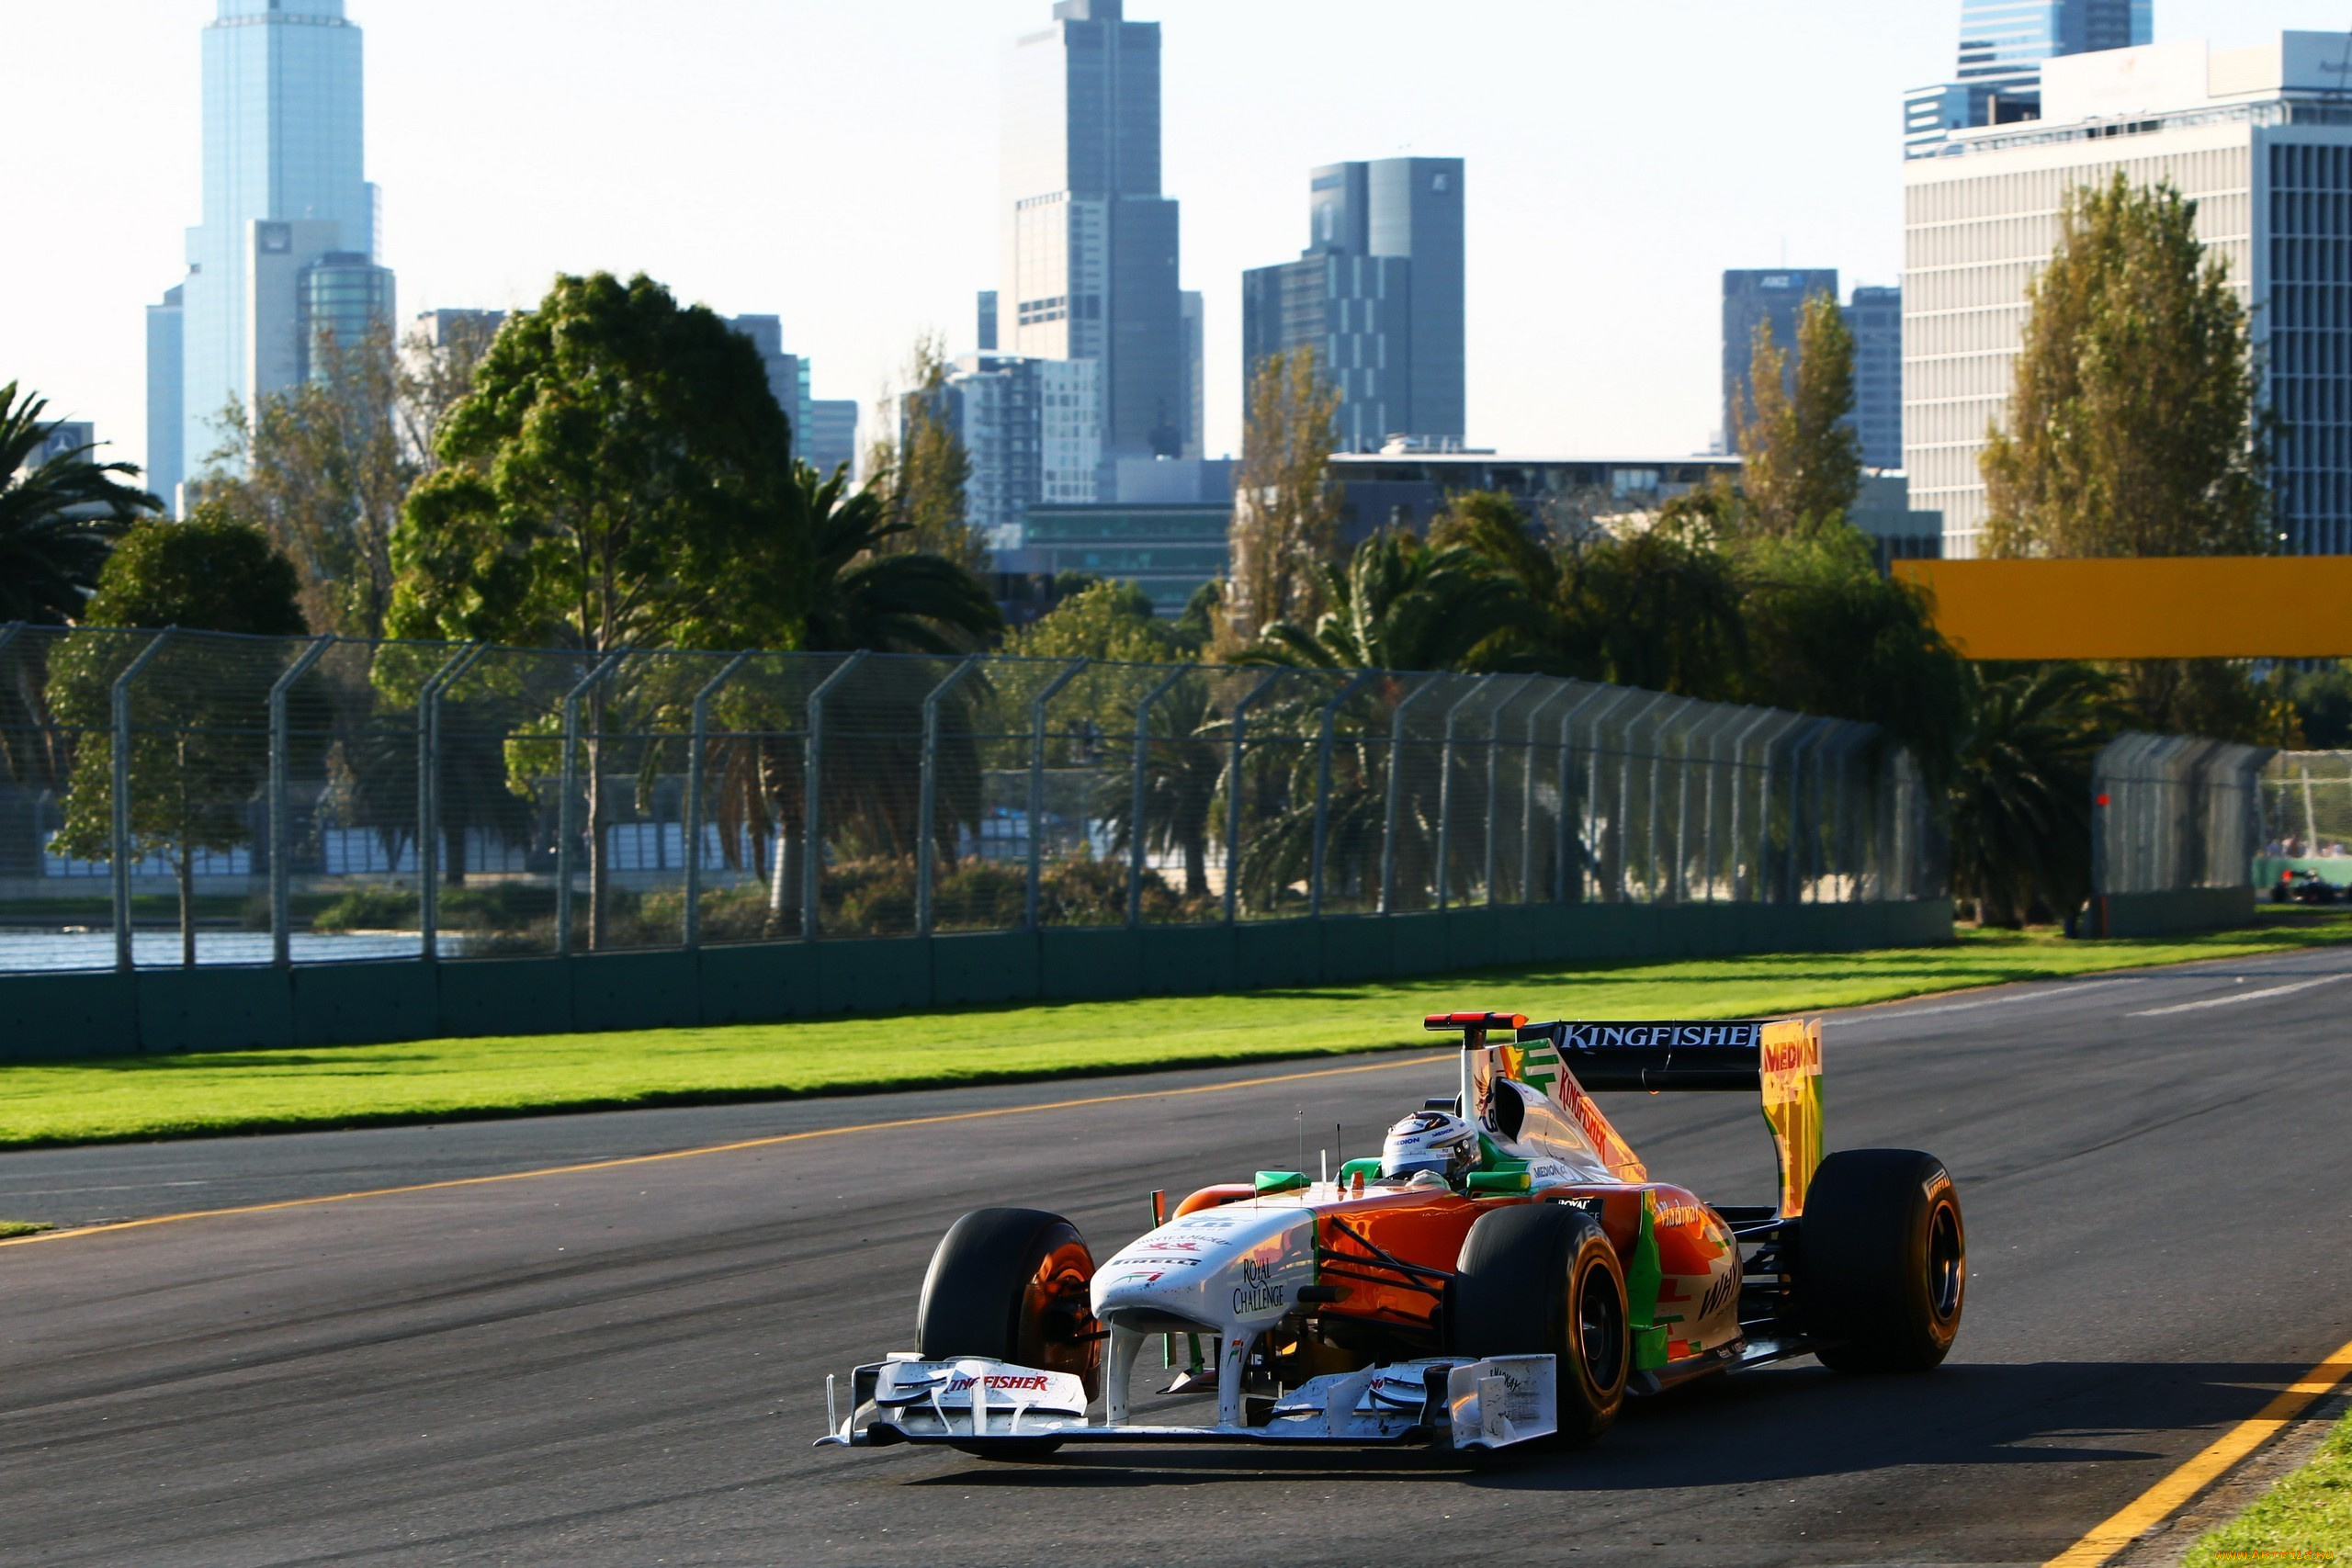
(1506, 1270)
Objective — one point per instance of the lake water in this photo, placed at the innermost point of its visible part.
(44, 952)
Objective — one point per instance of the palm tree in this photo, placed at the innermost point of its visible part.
(1397, 604)
(57, 518)
(1657, 609)
(849, 595)
(2021, 791)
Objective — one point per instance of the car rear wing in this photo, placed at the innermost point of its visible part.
(1778, 1060)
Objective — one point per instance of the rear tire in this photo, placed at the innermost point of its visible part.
(1540, 1279)
(1883, 1261)
(1012, 1285)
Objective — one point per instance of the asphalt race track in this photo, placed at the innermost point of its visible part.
(625, 1365)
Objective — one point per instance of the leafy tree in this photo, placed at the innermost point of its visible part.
(1827, 635)
(1286, 506)
(58, 518)
(2134, 424)
(1802, 460)
(1108, 621)
(2021, 790)
(2322, 701)
(1659, 609)
(922, 476)
(617, 457)
(198, 753)
(325, 465)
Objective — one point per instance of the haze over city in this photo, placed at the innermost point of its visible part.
(836, 166)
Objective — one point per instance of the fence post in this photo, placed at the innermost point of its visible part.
(1141, 802)
(1739, 751)
(812, 781)
(1032, 892)
(1527, 794)
(428, 795)
(1592, 783)
(1445, 788)
(1791, 892)
(1678, 883)
(927, 813)
(1396, 796)
(281, 880)
(690, 932)
(118, 833)
(1323, 790)
(565, 854)
(1233, 796)
(1625, 791)
(1494, 745)
(1560, 818)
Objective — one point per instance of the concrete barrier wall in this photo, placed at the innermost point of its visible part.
(2175, 910)
(51, 1018)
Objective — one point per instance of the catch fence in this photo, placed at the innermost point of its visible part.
(173, 798)
(2176, 823)
(2306, 804)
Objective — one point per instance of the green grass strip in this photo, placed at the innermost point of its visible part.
(2306, 1517)
(433, 1080)
(22, 1227)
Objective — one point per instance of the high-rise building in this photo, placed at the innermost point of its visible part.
(829, 441)
(1087, 264)
(988, 320)
(459, 329)
(2257, 138)
(1875, 316)
(1195, 372)
(1377, 295)
(66, 437)
(286, 248)
(1750, 299)
(787, 373)
(1030, 428)
(2003, 44)
(166, 397)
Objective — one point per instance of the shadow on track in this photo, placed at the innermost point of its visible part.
(1776, 1425)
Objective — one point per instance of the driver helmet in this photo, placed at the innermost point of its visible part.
(1435, 1141)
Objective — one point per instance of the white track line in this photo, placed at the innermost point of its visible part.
(2243, 997)
(2040, 994)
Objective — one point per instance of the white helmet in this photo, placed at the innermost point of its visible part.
(1430, 1140)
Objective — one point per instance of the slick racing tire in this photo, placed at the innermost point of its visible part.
(1539, 1279)
(1882, 1261)
(1012, 1285)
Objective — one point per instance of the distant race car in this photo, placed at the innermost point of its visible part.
(2302, 887)
(1506, 1270)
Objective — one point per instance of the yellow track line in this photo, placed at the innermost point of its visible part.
(1417, 1061)
(2160, 1501)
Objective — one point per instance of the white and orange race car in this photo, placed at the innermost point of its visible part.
(1506, 1271)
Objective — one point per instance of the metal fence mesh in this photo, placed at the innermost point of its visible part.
(2306, 800)
(2175, 812)
(177, 797)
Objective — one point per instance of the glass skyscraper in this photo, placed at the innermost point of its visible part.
(1379, 295)
(1088, 269)
(2003, 42)
(288, 245)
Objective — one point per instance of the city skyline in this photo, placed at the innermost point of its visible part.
(1571, 343)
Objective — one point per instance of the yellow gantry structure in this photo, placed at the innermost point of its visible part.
(2167, 608)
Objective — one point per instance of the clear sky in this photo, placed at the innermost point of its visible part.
(833, 162)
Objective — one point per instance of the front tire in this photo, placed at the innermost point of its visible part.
(1883, 1261)
(1540, 1279)
(1012, 1285)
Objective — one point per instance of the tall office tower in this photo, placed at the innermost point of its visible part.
(1379, 295)
(2255, 137)
(988, 320)
(1031, 430)
(1195, 372)
(1088, 265)
(787, 373)
(166, 394)
(2003, 44)
(1875, 318)
(829, 439)
(288, 246)
(1751, 298)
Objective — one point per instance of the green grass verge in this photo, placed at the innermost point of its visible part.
(2306, 1517)
(22, 1227)
(430, 1081)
